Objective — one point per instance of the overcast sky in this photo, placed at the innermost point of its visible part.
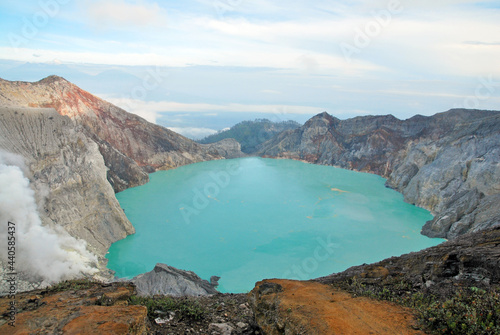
(346, 57)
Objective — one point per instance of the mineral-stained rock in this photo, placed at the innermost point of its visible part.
(95, 309)
(68, 174)
(131, 146)
(294, 307)
(447, 163)
(167, 280)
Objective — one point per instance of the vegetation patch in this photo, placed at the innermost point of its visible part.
(75, 284)
(250, 134)
(467, 311)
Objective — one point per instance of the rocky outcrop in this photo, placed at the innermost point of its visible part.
(294, 307)
(83, 309)
(251, 134)
(131, 146)
(167, 280)
(68, 174)
(227, 148)
(471, 260)
(446, 163)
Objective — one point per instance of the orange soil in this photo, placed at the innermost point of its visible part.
(330, 311)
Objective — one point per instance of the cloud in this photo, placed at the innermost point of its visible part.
(482, 43)
(42, 253)
(137, 107)
(122, 14)
(155, 107)
(270, 92)
(193, 133)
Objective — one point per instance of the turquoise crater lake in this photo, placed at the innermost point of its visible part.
(253, 218)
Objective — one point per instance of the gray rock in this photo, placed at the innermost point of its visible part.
(228, 148)
(221, 328)
(214, 281)
(167, 280)
(68, 175)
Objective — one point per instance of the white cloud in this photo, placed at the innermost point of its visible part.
(122, 14)
(149, 107)
(136, 107)
(193, 133)
(270, 92)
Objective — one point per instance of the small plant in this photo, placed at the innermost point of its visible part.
(471, 311)
(157, 306)
(75, 284)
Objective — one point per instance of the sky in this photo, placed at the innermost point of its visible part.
(198, 66)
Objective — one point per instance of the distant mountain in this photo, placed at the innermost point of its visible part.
(250, 134)
(447, 163)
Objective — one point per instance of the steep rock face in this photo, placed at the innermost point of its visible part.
(447, 163)
(227, 148)
(167, 280)
(68, 175)
(131, 146)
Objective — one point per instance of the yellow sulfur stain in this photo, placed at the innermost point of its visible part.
(338, 190)
(213, 198)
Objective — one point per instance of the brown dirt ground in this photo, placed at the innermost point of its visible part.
(327, 310)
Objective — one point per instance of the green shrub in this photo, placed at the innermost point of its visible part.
(75, 284)
(470, 311)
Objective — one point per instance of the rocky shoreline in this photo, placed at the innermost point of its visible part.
(446, 163)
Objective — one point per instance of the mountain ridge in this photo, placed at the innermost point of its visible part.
(74, 143)
(131, 146)
(251, 134)
(446, 163)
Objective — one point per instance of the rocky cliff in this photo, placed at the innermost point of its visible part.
(79, 150)
(68, 175)
(227, 148)
(167, 280)
(131, 146)
(447, 163)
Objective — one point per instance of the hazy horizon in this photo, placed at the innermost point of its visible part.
(183, 64)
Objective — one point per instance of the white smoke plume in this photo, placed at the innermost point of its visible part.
(43, 253)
